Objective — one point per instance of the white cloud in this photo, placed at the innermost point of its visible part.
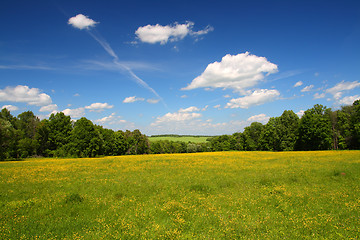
(184, 96)
(217, 106)
(180, 116)
(20, 93)
(258, 97)
(153, 101)
(237, 72)
(132, 99)
(162, 34)
(81, 21)
(298, 84)
(115, 122)
(317, 95)
(49, 108)
(349, 100)
(98, 107)
(189, 109)
(74, 113)
(227, 96)
(339, 88)
(307, 88)
(300, 113)
(262, 118)
(10, 107)
(112, 119)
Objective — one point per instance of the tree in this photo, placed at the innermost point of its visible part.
(27, 124)
(315, 129)
(9, 136)
(252, 135)
(85, 141)
(355, 124)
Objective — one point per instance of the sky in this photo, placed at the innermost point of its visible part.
(178, 67)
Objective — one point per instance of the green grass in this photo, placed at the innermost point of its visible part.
(229, 195)
(186, 139)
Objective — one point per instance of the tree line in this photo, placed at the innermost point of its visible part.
(319, 128)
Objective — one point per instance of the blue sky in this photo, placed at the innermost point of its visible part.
(184, 67)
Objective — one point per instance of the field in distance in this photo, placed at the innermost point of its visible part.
(221, 195)
(181, 138)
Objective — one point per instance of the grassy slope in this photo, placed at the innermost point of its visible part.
(242, 195)
(180, 138)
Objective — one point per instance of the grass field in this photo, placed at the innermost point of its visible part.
(186, 139)
(228, 195)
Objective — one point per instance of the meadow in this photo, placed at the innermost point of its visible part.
(221, 195)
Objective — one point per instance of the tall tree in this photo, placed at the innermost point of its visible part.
(252, 135)
(27, 124)
(9, 136)
(315, 131)
(85, 140)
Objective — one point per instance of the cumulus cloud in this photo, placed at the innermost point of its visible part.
(20, 93)
(298, 84)
(258, 97)
(10, 107)
(262, 118)
(349, 100)
(74, 113)
(176, 117)
(307, 88)
(132, 99)
(217, 106)
(162, 34)
(81, 21)
(237, 72)
(182, 115)
(339, 88)
(98, 107)
(49, 108)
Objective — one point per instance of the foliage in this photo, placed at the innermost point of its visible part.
(319, 128)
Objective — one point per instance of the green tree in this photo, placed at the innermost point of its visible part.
(355, 124)
(85, 140)
(315, 131)
(252, 136)
(27, 124)
(8, 135)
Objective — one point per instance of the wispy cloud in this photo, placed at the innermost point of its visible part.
(298, 84)
(26, 67)
(132, 99)
(307, 88)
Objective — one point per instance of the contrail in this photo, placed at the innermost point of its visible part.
(81, 21)
(111, 52)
